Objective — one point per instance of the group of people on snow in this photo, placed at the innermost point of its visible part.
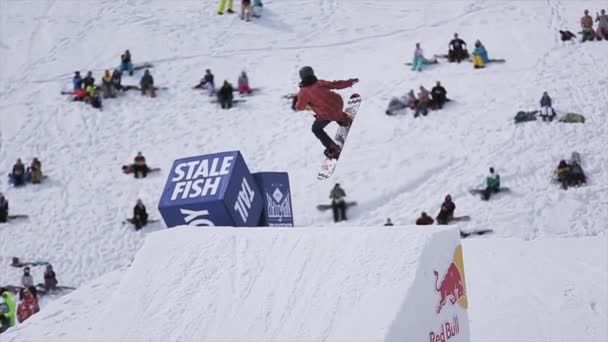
(85, 89)
(457, 52)
(587, 22)
(20, 175)
(249, 8)
(10, 312)
(434, 99)
(569, 174)
(224, 95)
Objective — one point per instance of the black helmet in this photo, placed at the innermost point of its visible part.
(306, 71)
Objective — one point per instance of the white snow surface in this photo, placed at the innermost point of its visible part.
(393, 166)
(302, 284)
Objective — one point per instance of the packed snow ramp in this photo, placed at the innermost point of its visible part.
(291, 284)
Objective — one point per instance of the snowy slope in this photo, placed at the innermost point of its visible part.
(393, 166)
(308, 284)
(314, 284)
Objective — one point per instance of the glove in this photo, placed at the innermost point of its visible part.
(354, 80)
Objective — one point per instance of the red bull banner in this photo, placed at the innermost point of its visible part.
(451, 300)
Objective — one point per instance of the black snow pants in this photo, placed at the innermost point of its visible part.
(318, 128)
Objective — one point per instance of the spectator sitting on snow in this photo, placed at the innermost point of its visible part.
(424, 220)
(243, 84)
(50, 279)
(27, 280)
(18, 174)
(439, 95)
(28, 305)
(562, 172)
(140, 166)
(147, 84)
(125, 63)
(35, 171)
(492, 184)
(446, 214)
(77, 81)
(423, 102)
(140, 216)
(388, 222)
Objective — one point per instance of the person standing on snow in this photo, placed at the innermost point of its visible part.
(328, 106)
(257, 8)
(147, 84)
(222, 5)
(587, 25)
(546, 109)
(246, 10)
(3, 208)
(602, 26)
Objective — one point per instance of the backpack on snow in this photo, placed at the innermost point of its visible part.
(522, 116)
(572, 118)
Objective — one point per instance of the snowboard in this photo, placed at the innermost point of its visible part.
(491, 60)
(129, 220)
(428, 62)
(328, 165)
(15, 262)
(15, 217)
(233, 101)
(460, 219)
(465, 235)
(128, 170)
(323, 207)
(480, 191)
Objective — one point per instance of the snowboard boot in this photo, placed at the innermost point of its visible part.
(230, 11)
(333, 152)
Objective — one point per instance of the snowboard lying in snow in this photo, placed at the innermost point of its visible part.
(427, 62)
(128, 169)
(470, 59)
(234, 101)
(480, 191)
(465, 235)
(15, 262)
(40, 290)
(328, 165)
(130, 220)
(15, 217)
(323, 207)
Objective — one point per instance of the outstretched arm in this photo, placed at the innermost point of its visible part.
(339, 84)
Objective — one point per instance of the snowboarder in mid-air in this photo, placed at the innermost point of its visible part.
(316, 95)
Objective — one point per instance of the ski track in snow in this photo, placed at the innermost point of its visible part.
(393, 166)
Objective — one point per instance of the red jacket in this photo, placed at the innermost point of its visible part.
(326, 104)
(26, 308)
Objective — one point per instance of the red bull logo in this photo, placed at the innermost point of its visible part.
(452, 286)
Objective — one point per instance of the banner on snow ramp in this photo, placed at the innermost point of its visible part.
(211, 190)
(276, 195)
